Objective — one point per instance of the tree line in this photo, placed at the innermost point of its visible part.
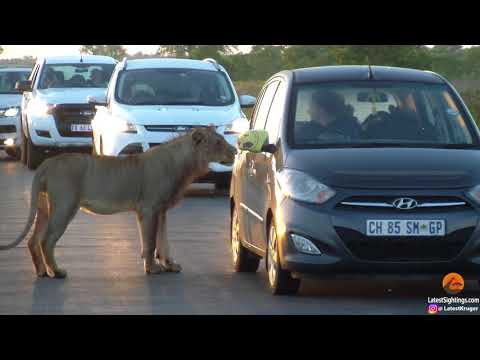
(451, 61)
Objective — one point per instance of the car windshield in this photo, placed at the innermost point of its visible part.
(174, 87)
(379, 113)
(8, 79)
(76, 76)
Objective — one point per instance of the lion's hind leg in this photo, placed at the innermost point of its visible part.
(39, 232)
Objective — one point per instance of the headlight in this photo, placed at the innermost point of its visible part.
(474, 194)
(237, 127)
(11, 112)
(302, 187)
(40, 108)
(124, 126)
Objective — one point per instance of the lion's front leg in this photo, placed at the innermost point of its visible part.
(146, 220)
(162, 251)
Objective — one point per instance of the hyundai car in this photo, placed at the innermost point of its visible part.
(351, 171)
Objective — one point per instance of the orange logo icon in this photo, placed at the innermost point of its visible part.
(453, 283)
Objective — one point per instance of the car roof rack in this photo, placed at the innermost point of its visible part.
(214, 62)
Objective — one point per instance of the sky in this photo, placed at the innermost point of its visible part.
(18, 51)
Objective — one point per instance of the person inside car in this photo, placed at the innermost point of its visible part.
(50, 79)
(406, 122)
(330, 118)
(97, 78)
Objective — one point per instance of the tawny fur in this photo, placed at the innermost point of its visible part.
(149, 184)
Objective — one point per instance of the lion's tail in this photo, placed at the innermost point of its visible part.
(38, 185)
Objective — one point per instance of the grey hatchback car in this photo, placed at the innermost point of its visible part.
(357, 170)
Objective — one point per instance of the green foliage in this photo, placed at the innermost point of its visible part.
(301, 56)
(115, 51)
(195, 51)
(472, 100)
(1, 50)
(414, 56)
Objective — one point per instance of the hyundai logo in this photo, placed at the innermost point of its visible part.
(405, 204)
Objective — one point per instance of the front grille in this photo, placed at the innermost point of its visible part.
(385, 204)
(172, 128)
(68, 114)
(5, 129)
(390, 248)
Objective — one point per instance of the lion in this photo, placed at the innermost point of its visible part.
(149, 183)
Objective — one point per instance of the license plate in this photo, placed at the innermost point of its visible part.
(81, 127)
(406, 228)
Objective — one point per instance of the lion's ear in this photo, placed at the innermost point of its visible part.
(198, 137)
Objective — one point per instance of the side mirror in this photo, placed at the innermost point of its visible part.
(247, 101)
(23, 86)
(255, 141)
(97, 101)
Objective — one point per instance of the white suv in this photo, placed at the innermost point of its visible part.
(150, 101)
(56, 115)
(10, 100)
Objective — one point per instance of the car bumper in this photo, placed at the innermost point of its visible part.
(10, 129)
(43, 132)
(340, 258)
(116, 144)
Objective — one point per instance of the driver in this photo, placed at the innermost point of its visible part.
(50, 79)
(329, 114)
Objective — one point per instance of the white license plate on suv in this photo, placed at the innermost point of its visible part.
(80, 127)
(406, 228)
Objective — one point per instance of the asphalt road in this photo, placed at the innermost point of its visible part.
(105, 270)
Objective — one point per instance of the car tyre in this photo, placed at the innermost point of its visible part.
(243, 260)
(34, 156)
(14, 152)
(280, 281)
(23, 151)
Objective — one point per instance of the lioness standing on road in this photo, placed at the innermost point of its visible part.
(149, 184)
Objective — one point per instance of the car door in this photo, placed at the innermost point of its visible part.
(252, 190)
(264, 164)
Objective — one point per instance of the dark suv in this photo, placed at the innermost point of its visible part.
(357, 170)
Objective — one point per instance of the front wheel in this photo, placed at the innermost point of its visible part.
(23, 158)
(14, 152)
(280, 281)
(34, 155)
(243, 260)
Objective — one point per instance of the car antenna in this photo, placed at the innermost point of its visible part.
(370, 72)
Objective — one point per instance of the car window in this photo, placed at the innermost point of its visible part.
(264, 107)
(399, 113)
(75, 75)
(276, 112)
(174, 87)
(8, 80)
